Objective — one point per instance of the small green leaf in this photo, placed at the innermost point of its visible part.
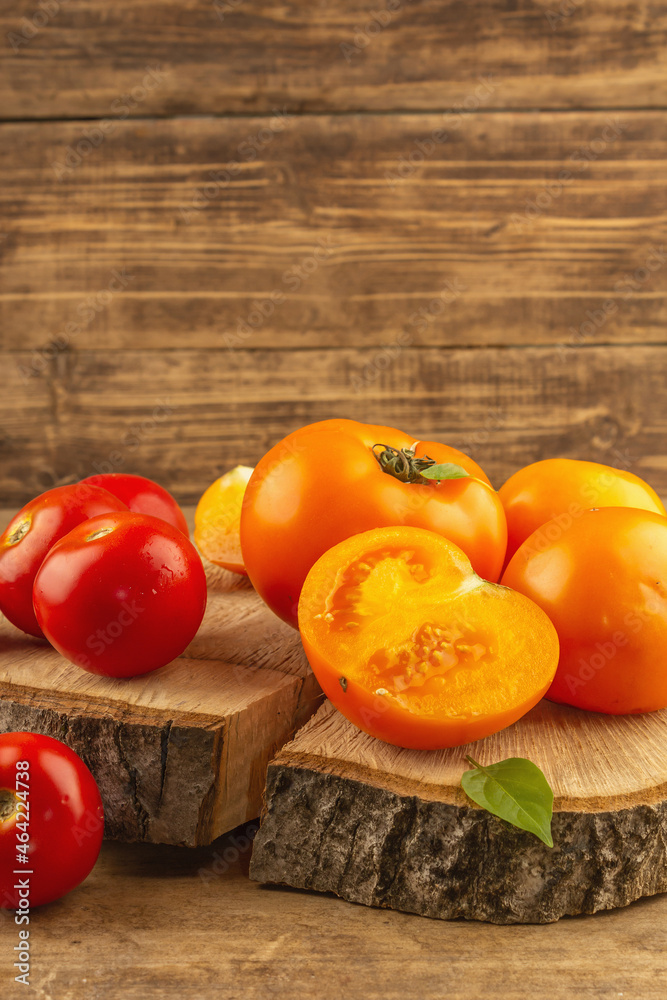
(515, 790)
(445, 471)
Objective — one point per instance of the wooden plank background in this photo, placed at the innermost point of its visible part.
(215, 225)
(240, 56)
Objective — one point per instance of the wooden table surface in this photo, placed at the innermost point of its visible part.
(222, 220)
(147, 923)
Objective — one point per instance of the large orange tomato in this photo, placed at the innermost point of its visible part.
(336, 478)
(414, 648)
(567, 487)
(602, 580)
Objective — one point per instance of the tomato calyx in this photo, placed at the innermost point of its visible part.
(8, 804)
(402, 463)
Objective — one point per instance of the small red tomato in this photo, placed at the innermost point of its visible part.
(30, 535)
(121, 595)
(143, 496)
(51, 821)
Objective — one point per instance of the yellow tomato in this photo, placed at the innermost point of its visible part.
(217, 520)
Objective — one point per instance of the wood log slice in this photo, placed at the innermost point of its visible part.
(349, 814)
(179, 754)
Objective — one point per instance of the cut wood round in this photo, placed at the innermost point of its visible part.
(179, 754)
(378, 825)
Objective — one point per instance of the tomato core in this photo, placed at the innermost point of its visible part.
(367, 584)
(417, 668)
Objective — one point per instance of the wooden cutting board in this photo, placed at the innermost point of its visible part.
(179, 754)
(386, 827)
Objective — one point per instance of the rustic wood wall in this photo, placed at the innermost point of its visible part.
(223, 218)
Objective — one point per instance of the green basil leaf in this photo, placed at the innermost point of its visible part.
(445, 471)
(515, 790)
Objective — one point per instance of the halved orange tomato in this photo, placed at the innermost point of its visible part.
(414, 648)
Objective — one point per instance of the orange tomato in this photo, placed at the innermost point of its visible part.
(217, 520)
(602, 580)
(567, 487)
(337, 478)
(414, 648)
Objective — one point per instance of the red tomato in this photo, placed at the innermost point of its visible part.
(326, 482)
(415, 649)
(30, 535)
(143, 496)
(602, 580)
(51, 821)
(566, 487)
(121, 595)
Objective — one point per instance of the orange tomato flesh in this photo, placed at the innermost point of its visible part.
(414, 648)
(218, 519)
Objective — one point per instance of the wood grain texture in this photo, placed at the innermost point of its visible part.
(179, 754)
(359, 230)
(248, 55)
(165, 922)
(183, 417)
(346, 813)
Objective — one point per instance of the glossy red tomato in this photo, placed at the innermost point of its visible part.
(121, 595)
(143, 496)
(51, 821)
(29, 536)
(336, 478)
